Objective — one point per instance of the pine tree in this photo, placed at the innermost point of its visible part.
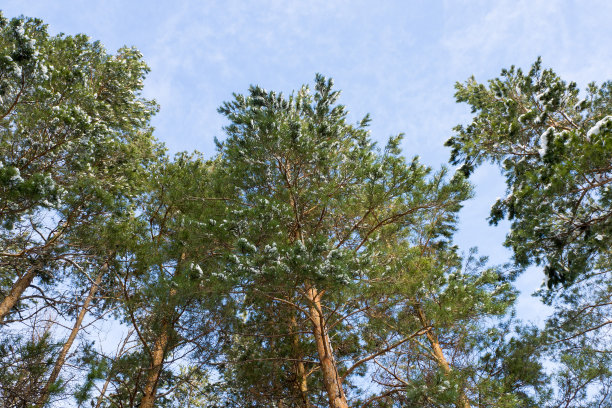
(75, 142)
(169, 285)
(25, 363)
(314, 197)
(555, 151)
(458, 303)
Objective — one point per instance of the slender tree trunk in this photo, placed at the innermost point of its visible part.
(158, 354)
(463, 401)
(103, 391)
(157, 362)
(110, 373)
(300, 370)
(25, 281)
(61, 359)
(329, 369)
(17, 290)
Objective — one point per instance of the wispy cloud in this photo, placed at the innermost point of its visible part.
(571, 37)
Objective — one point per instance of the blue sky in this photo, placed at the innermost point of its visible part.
(397, 60)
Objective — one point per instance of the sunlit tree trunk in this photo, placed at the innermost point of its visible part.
(157, 361)
(17, 290)
(61, 359)
(329, 368)
(437, 352)
(26, 280)
(158, 353)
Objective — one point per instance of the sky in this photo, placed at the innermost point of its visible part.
(397, 60)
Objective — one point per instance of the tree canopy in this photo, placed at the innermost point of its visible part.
(553, 145)
(302, 265)
(554, 148)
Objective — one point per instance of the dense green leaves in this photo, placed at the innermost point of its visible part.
(25, 364)
(321, 206)
(73, 125)
(75, 144)
(555, 151)
(75, 148)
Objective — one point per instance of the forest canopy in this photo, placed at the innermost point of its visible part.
(301, 265)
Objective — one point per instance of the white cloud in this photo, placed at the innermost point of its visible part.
(572, 37)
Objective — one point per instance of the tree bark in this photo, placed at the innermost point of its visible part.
(329, 368)
(61, 359)
(157, 361)
(158, 354)
(17, 290)
(300, 370)
(463, 401)
(25, 281)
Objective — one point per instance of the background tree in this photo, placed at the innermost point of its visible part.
(422, 282)
(75, 142)
(169, 285)
(26, 361)
(555, 152)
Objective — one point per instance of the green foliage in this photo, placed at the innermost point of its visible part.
(75, 150)
(195, 392)
(460, 301)
(218, 268)
(24, 365)
(75, 147)
(314, 187)
(554, 151)
(319, 204)
(168, 282)
(72, 124)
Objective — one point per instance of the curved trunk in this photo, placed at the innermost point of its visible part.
(329, 368)
(17, 290)
(25, 281)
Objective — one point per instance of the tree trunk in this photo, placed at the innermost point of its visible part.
(158, 355)
(463, 401)
(329, 369)
(124, 344)
(26, 280)
(59, 363)
(103, 391)
(17, 290)
(300, 371)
